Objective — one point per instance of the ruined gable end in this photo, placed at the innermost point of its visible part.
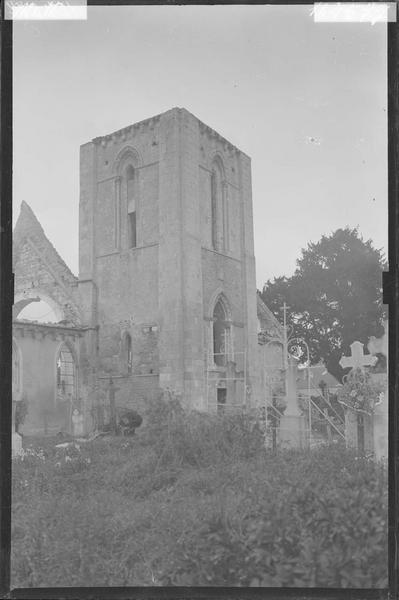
(40, 273)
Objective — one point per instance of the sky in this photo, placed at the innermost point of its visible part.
(306, 101)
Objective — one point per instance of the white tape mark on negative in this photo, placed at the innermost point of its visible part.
(51, 10)
(354, 12)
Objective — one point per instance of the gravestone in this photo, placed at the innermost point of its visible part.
(358, 425)
(77, 423)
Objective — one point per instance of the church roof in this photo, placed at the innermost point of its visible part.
(266, 317)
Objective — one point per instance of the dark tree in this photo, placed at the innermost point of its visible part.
(334, 296)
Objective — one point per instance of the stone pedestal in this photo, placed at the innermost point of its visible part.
(350, 429)
(359, 431)
(292, 433)
(16, 444)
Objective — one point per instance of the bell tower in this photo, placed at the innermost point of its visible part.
(167, 262)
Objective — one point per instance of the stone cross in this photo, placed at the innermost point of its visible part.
(358, 427)
(357, 359)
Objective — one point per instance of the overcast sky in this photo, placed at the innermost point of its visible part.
(306, 101)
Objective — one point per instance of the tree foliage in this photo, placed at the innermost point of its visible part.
(334, 296)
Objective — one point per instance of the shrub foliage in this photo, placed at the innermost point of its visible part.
(196, 500)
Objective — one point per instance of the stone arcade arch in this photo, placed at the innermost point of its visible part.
(23, 299)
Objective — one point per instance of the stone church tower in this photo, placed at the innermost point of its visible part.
(167, 267)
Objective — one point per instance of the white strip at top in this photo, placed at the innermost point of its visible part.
(51, 10)
(354, 12)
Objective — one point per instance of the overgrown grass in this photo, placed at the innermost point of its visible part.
(194, 500)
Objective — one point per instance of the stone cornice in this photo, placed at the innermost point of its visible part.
(211, 251)
(122, 134)
(207, 131)
(26, 325)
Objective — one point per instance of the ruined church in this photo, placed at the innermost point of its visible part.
(166, 295)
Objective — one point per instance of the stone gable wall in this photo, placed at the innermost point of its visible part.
(33, 278)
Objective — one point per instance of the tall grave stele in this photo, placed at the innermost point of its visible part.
(358, 422)
(292, 432)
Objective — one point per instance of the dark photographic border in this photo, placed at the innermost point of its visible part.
(390, 297)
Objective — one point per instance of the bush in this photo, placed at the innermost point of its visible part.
(198, 439)
(196, 500)
(318, 519)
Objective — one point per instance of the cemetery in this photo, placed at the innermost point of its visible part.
(271, 472)
(195, 499)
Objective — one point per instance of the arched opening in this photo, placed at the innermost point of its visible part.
(131, 205)
(221, 334)
(126, 354)
(40, 312)
(66, 375)
(35, 305)
(217, 206)
(130, 182)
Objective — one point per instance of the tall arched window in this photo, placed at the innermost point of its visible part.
(217, 206)
(131, 206)
(128, 350)
(16, 372)
(66, 374)
(221, 334)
